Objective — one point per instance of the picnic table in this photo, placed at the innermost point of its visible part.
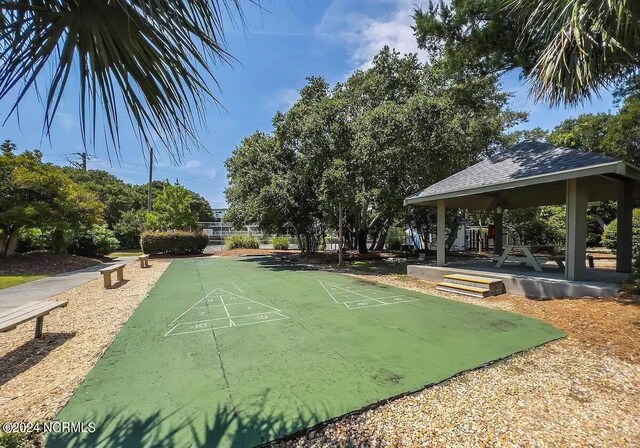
(530, 255)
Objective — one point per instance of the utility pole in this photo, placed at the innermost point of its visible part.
(80, 165)
(150, 179)
(340, 236)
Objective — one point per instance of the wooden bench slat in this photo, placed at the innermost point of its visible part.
(31, 310)
(27, 308)
(111, 269)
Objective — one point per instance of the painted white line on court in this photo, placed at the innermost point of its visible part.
(354, 292)
(226, 310)
(325, 288)
(167, 333)
(231, 324)
(246, 298)
(191, 307)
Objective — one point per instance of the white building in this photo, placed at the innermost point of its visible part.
(218, 230)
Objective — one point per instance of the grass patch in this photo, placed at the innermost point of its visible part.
(380, 267)
(7, 281)
(132, 253)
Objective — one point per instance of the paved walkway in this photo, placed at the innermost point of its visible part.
(50, 286)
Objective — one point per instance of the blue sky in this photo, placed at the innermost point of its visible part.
(282, 45)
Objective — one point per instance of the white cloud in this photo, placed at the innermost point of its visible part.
(282, 99)
(192, 164)
(366, 34)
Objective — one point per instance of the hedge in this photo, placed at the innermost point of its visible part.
(242, 242)
(173, 242)
(280, 242)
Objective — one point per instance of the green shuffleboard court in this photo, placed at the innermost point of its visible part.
(242, 351)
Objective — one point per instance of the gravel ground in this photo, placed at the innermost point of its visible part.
(37, 376)
(579, 391)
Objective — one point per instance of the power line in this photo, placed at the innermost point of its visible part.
(82, 164)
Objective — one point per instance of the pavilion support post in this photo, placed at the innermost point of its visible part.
(497, 224)
(624, 257)
(442, 237)
(576, 246)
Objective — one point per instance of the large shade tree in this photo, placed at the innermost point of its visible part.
(361, 147)
(155, 59)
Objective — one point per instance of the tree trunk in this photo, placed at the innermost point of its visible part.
(362, 241)
(374, 240)
(58, 243)
(300, 248)
(3, 243)
(381, 240)
(453, 233)
(340, 235)
(12, 244)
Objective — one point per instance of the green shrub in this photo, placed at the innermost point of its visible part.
(610, 234)
(34, 239)
(280, 242)
(173, 242)
(242, 242)
(97, 240)
(129, 228)
(395, 238)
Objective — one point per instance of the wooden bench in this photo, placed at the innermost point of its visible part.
(9, 320)
(106, 273)
(144, 261)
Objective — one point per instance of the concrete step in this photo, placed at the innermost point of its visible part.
(494, 285)
(466, 290)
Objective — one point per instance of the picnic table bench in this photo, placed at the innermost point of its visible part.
(106, 273)
(525, 255)
(144, 261)
(9, 320)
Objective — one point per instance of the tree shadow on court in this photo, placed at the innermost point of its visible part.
(360, 267)
(224, 427)
(29, 354)
(117, 429)
(276, 264)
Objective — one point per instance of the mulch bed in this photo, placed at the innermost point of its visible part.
(44, 263)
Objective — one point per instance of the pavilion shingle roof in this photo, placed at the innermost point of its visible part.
(525, 160)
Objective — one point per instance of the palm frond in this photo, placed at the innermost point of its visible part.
(587, 45)
(152, 59)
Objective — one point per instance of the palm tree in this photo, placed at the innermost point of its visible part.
(154, 58)
(587, 44)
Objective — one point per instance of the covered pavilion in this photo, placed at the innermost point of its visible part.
(534, 174)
